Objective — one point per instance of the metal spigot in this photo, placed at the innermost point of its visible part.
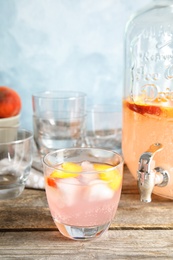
(148, 176)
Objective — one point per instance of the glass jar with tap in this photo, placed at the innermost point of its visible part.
(147, 142)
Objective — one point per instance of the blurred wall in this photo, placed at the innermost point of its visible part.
(64, 44)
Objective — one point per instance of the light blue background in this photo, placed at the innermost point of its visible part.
(64, 44)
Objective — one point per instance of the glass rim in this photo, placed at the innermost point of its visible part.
(121, 160)
(22, 130)
(59, 94)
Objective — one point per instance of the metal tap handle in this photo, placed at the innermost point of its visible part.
(145, 160)
(147, 173)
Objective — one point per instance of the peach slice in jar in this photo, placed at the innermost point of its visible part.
(143, 108)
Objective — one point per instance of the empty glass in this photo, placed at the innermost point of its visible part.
(15, 161)
(58, 119)
(104, 125)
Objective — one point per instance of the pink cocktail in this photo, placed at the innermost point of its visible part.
(83, 187)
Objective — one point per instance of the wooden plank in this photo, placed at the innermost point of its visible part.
(31, 212)
(124, 244)
(139, 231)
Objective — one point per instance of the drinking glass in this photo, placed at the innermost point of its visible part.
(83, 188)
(58, 120)
(104, 127)
(15, 161)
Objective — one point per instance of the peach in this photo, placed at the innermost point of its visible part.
(10, 102)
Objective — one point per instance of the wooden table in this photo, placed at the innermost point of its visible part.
(139, 231)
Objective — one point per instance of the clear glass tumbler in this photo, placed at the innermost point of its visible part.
(58, 120)
(15, 161)
(83, 188)
(104, 126)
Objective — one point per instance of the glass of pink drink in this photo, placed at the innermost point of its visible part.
(83, 188)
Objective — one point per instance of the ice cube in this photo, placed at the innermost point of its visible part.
(88, 173)
(87, 166)
(87, 177)
(70, 190)
(98, 190)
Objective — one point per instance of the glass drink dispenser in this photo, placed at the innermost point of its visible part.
(148, 99)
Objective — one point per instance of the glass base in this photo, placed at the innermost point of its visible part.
(82, 233)
(11, 192)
